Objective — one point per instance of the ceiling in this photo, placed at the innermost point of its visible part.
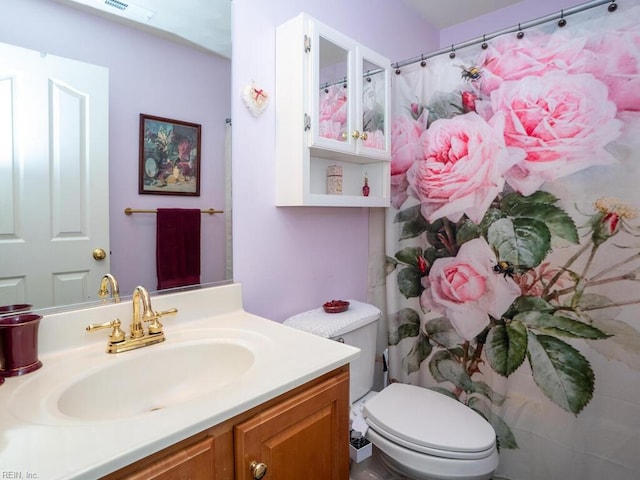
(207, 23)
(201, 23)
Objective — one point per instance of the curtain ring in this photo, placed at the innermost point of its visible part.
(423, 62)
(453, 52)
(562, 22)
(613, 6)
(484, 45)
(520, 34)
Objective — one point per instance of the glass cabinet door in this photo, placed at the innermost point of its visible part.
(373, 111)
(334, 91)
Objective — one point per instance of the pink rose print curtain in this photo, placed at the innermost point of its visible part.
(513, 243)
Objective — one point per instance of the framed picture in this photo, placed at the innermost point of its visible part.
(169, 156)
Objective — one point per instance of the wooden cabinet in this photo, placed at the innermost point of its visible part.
(194, 461)
(300, 434)
(332, 108)
(303, 437)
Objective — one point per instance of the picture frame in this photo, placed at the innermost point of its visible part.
(169, 156)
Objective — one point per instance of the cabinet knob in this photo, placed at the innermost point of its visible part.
(258, 470)
(355, 134)
(364, 136)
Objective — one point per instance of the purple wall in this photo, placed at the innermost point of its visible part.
(147, 74)
(521, 12)
(293, 259)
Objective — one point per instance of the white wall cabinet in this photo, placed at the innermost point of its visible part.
(332, 108)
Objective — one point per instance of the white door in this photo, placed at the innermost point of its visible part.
(54, 194)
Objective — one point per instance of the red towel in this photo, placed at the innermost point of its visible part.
(178, 247)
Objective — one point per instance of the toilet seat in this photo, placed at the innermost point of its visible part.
(429, 422)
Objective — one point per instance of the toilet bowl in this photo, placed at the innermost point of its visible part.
(417, 433)
(427, 435)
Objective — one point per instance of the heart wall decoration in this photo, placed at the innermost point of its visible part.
(255, 99)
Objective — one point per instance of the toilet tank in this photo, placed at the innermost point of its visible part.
(356, 327)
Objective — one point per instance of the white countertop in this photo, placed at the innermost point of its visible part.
(67, 448)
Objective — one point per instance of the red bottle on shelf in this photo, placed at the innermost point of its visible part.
(365, 187)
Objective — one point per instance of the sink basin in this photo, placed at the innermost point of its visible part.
(131, 388)
(96, 386)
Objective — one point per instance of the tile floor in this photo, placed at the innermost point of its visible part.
(370, 469)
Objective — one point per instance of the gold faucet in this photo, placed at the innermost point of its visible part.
(119, 342)
(109, 280)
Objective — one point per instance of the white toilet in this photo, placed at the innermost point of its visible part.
(417, 433)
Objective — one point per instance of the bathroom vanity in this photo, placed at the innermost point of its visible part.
(227, 395)
(299, 432)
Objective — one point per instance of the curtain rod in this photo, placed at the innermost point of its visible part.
(368, 74)
(516, 28)
(129, 211)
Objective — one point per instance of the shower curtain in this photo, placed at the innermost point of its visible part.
(513, 241)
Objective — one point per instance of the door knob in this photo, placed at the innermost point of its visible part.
(99, 254)
(258, 470)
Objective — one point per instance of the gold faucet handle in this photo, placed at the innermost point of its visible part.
(154, 322)
(117, 334)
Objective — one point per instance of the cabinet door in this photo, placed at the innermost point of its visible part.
(193, 462)
(372, 127)
(332, 92)
(305, 436)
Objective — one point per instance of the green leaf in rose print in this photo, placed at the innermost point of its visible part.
(540, 206)
(537, 198)
(414, 224)
(442, 333)
(409, 282)
(561, 372)
(527, 303)
(439, 230)
(482, 388)
(390, 265)
(436, 358)
(445, 368)
(623, 346)
(403, 324)
(467, 231)
(492, 215)
(560, 325)
(504, 436)
(432, 254)
(420, 350)
(409, 255)
(520, 241)
(559, 223)
(448, 370)
(506, 347)
(444, 105)
(594, 301)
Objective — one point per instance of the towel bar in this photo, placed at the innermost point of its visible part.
(129, 211)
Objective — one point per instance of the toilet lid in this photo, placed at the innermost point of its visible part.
(429, 422)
